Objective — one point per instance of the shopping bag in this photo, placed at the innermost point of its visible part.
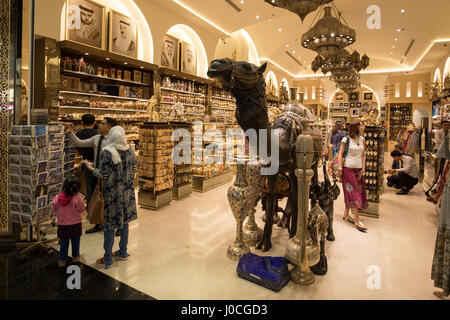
(269, 272)
(96, 208)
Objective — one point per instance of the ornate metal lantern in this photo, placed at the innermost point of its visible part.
(300, 7)
(328, 36)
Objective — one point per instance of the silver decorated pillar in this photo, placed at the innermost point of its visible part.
(297, 246)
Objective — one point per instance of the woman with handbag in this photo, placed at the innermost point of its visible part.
(116, 173)
(352, 164)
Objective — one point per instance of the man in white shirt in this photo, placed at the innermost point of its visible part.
(97, 142)
(407, 176)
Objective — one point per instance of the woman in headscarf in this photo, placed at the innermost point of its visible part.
(117, 169)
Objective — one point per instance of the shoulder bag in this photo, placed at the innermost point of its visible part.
(96, 208)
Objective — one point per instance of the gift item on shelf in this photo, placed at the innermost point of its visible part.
(223, 106)
(29, 173)
(155, 166)
(191, 94)
(207, 172)
(374, 145)
(400, 116)
(182, 175)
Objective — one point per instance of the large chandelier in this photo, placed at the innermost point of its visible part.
(328, 36)
(340, 61)
(300, 7)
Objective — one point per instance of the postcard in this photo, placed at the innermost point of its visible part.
(55, 155)
(14, 150)
(42, 167)
(15, 141)
(14, 197)
(42, 178)
(14, 169)
(15, 188)
(41, 202)
(41, 191)
(55, 164)
(14, 179)
(26, 199)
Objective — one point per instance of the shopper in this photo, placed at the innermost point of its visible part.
(351, 161)
(96, 142)
(395, 165)
(336, 138)
(407, 176)
(87, 132)
(440, 271)
(117, 169)
(69, 206)
(441, 134)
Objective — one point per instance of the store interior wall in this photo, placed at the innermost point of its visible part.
(158, 18)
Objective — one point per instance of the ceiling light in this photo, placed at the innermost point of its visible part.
(393, 47)
(142, 67)
(270, 19)
(279, 29)
(242, 1)
(107, 59)
(293, 52)
(392, 52)
(287, 46)
(86, 53)
(402, 11)
(395, 39)
(257, 17)
(398, 30)
(125, 63)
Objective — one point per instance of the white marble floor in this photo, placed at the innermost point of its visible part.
(179, 252)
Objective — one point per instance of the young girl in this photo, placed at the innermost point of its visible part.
(68, 206)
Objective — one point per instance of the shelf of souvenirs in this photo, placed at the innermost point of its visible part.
(117, 105)
(101, 109)
(224, 99)
(205, 171)
(95, 76)
(102, 95)
(137, 118)
(184, 104)
(184, 86)
(183, 92)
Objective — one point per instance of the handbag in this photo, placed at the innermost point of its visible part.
(96, 208)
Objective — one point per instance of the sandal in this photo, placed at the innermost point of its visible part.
(360, 226)
(348, 219)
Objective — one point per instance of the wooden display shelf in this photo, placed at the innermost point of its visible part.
(83, 93)
(220, 98)
(200, 184)
(103, 56)
(184, 92)
(102, 109)
(154, 201)
(185, 104)
(164, 71)
(182, 191)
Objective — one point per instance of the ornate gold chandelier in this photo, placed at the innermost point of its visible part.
(300, 7)
(328, 36)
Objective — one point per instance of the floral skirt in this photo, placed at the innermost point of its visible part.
(440, 271)
(355, 196)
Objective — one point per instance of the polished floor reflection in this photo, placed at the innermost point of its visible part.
(38, 277)
(179, 252)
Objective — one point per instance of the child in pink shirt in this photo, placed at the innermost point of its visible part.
(68, 206)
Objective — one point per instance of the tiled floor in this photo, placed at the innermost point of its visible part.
(38, 277)
(179, 252)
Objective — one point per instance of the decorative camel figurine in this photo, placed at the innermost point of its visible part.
(247, 85)
(325, 194)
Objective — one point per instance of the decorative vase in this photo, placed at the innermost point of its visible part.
(241, 201)
(255, 181)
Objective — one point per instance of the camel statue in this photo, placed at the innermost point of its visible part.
(247, 85)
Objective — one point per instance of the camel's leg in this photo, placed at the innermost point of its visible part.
(265, 243)
(330, 213)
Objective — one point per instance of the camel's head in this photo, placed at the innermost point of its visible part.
(240, 75)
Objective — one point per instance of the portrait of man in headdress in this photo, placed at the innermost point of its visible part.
(85, 22)
(169, 55)
(189, 59)
(123, 34)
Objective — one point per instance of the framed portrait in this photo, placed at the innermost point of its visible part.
(85, 23)
(170, 52)
(368, 96)
(123, 34)
(188, 58)
(354, 96)
(339, 96)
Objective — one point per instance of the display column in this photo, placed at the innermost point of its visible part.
(4, 111)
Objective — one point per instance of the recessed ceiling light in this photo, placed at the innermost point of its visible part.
(392, 52)
(125, 63)
(393, 47)
(257, 17)
(402, 11)
(273, 1)
(142, 67)
(107, 59)
(398, 30)
(242, 1)
(279, 29)
(270, 19)
(293, 51)
(287, 46)
(86, 53)
(396, 39)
